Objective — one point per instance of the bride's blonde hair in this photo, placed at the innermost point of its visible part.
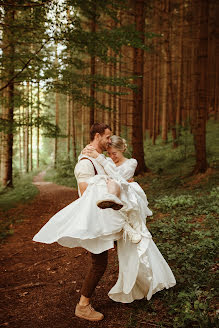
(118, 143)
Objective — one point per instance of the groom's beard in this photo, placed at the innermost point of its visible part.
(103, 146)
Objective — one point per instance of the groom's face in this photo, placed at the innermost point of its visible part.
(104, 140)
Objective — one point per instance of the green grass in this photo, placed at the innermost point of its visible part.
(22, 192)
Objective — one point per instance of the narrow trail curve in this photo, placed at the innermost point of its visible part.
(40, 283)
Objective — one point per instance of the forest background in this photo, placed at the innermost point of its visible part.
(147, 68)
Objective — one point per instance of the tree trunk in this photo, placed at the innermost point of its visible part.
(7, 180)
(199, 130)
(7, 173)
(93, 71)
(20, 139)
(31, 128)
(158, 96)
(2, 133)
(154, 108)
(73, 129)
(138, 70)
(171, 104)
(57, 123)
(165, 71)
(164, 101)
(57, 114)
(180, 67)
(38, 126)
(26, 150)
(68, 121)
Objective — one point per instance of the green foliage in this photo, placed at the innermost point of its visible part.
(169, 202)
(23, 191)
(63, 174)
(181, 160)
(190, 245)
(6, 228)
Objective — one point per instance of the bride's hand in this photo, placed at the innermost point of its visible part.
(90, 151)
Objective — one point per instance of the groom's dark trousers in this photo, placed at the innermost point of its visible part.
(96, 271)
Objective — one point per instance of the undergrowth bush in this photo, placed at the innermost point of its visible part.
(191, 247)
(185, 229)
(169, 202)
(63, 174)
(23, 191)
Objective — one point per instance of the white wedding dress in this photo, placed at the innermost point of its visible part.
(142, 269)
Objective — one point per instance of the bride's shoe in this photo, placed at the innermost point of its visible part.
(110, 201)
(133, 235)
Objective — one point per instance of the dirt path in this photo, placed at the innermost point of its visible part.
(40, 283)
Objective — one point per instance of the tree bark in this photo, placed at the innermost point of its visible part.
(26, 131)
(73, 129)
(9, 51)
(138, 70)
(38, 126)
(164, 100)
(93, 70)
(57, 123)
(68, 121)
(31, 127)
(199, 130)
(56, 117)
(180, 67)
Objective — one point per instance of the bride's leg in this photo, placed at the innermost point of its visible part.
(113, 187)
(133, 235)
(134, 219)
(110, 199)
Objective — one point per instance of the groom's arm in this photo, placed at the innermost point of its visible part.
(84, 170)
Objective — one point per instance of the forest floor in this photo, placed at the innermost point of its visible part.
(40, 283)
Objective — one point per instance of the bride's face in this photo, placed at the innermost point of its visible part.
(115, 154)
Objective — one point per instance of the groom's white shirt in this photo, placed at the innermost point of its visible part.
(84, 169)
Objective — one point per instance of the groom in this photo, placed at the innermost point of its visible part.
(100, 134)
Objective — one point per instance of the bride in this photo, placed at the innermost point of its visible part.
(142, 269)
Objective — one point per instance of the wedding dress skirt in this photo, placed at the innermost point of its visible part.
(83, 224)
(142, 270)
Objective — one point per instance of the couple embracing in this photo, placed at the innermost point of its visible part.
(112, 207)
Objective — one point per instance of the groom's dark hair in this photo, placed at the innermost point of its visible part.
(98, 128)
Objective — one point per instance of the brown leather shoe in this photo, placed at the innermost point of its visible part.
(110, 201)
(87, 312)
